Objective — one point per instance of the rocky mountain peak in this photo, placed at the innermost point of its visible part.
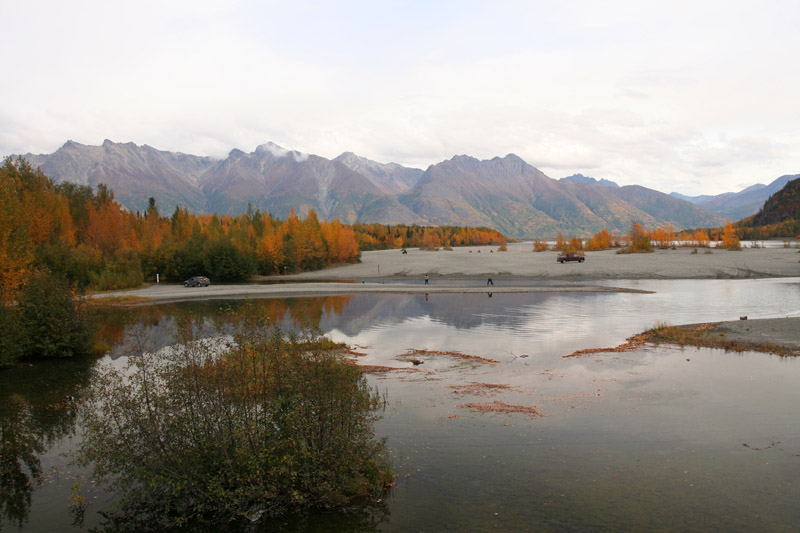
(505, 193)
(270, 149)
(580, 178)
(388, 177)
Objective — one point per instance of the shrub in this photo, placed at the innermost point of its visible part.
(53, 322)
(220, 431)
(539, 246)
(11, 340)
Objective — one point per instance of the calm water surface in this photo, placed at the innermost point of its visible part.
(660, 438)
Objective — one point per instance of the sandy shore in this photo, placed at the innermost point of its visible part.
(468, 269)
(521, 262)
(780, 331)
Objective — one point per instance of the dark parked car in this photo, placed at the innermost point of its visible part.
(197, 281)
(570, 257)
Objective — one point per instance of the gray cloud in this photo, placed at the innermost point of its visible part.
(673, 95)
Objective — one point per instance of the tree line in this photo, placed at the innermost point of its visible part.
(85, 235)
(382, 237)
(639, 239)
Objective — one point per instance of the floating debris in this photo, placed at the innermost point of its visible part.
(481, 389)
(377, 369)
(502, 407)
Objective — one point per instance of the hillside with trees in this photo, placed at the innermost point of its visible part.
(780, 216)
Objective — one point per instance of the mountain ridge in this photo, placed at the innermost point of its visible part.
(742, 204)
(504, 193)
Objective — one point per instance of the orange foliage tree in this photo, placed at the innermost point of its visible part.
(729, 238)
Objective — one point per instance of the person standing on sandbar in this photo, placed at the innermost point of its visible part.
(426, 278)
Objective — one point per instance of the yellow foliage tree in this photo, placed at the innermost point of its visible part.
(729, 238)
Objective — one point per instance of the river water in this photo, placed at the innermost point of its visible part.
(660, 438)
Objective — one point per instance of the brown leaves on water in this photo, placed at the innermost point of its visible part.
(378, 369)
(634, 343)
(350, 351)
(481, 389)
(502, 407)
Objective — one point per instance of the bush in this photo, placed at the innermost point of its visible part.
(540, 246)
(220, 431)
(11, 340)
(53, 322)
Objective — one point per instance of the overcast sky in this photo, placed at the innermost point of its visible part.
(699, 97)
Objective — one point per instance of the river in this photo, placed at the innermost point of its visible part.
(661, 438)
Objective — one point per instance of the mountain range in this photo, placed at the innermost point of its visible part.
(738, 205)
(504, 193)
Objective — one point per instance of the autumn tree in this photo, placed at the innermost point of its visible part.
(32, 215)
(560, 243)
(16, 249)
(729, 238)
(599, 241)
(638, 239)
(341, 241)
(701, 238)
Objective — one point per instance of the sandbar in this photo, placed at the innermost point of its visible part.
(468, 269)
(521, 262)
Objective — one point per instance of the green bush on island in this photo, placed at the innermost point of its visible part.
(46, 322)
(54, 323)
(218, 431)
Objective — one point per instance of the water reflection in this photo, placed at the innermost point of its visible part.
(37, 413)
(653, 439)
(160, 322)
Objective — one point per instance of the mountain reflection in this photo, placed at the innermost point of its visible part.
(462, 311)
(349, 314)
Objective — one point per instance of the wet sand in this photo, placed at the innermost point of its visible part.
(780, 331)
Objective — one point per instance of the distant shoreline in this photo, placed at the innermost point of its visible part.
(467, 270)
(520, 262)
(519, 270)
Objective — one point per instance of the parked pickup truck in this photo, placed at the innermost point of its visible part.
(570, 257)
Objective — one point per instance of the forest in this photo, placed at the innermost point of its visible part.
(84, 235)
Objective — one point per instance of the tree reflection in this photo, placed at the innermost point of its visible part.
(20, 467)
(160, 321)
(35, 415)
